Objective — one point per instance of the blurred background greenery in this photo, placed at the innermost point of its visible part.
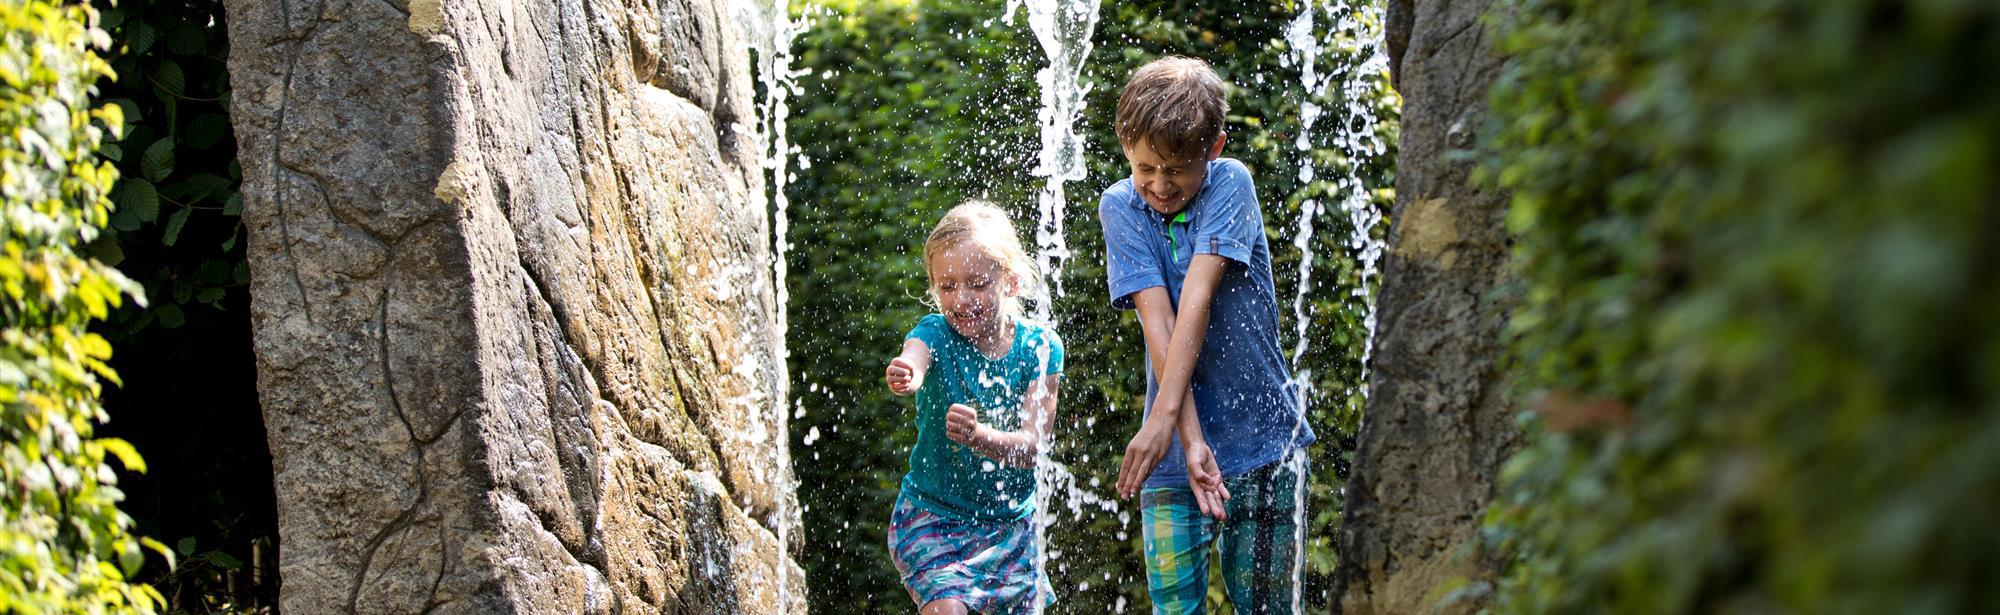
(909, 108)
(1756, 253)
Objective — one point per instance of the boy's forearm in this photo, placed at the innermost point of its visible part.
(1156, 323)
(1190, 326)
(1188, 423)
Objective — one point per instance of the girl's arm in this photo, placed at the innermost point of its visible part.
(1011, 448)
(906, 372)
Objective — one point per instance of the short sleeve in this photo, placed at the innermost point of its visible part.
(1054, 343)
(932, 330)
(1129, 265)
(1231, 220)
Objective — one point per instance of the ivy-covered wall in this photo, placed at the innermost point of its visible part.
(64, 545)
(1758, 277)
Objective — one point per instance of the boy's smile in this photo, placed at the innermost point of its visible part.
(1167, 184)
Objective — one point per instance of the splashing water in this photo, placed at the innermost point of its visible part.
(1354, 30)
(769, 31)
(1063, 27)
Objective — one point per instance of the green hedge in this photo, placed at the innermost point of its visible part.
(911, 107)
(64, 545)
(1759, 282)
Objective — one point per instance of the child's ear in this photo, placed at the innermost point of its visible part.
(1215, 151)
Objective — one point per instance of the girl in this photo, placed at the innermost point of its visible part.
(962, 532)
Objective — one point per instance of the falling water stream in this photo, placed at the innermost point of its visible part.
(1063, 27)
(769, 30)
(1353, 27)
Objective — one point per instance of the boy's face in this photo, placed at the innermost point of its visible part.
(1167, 183)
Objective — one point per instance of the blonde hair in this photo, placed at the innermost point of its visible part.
(980, 224)
(1176, 104)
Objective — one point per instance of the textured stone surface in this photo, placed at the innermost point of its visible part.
(515, 323)
(1437, 424)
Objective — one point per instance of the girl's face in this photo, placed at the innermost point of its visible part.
(971, 288)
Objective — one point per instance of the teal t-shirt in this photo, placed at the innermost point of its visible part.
(949, 478)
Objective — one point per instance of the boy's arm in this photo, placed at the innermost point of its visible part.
(1012, 448)
(906, 371)
(1189, 328)
(1176, 412)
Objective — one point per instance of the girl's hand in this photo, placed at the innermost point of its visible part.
(961, 424)
(903, 378)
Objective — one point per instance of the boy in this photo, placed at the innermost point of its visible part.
(1184, 242)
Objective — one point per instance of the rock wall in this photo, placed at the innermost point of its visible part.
(515, 324)
(1437, 424)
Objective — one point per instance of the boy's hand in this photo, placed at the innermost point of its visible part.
(1206, 480)
(903, 378)
(1142, 455)
(961, 424)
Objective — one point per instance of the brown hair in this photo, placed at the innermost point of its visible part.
(986, 227)
(1176, 104)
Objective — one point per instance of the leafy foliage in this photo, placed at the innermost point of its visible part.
(912, 107)
(1758, 285)
(179, 218)
(67, 548)
(189, 395)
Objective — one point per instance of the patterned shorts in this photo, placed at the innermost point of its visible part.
(988, 566)
(1258, 544)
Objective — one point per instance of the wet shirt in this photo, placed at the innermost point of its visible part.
(949, 478)
(1247, 403)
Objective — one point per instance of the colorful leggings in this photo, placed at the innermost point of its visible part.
(1258, 543)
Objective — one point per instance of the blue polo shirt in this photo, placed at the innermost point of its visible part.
(1247, 403)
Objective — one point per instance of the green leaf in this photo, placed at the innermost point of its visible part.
(224, 560)
(141, 38)
(111, 152)
(207, 130)
(188, 39)
(139, 198)
(185, 546)
(212, 272)
(200, 186)
(169, 77)
(211, 295)
(170, 315)
(125, 221)
(106, 250)
(233, 206)
(159, 160)
(172, 232)
(230, 244)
